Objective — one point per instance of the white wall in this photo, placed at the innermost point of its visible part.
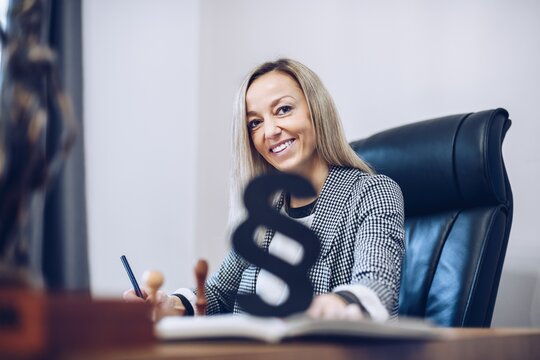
(386, 63)
(140, 114)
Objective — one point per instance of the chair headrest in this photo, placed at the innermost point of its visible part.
(445, 163)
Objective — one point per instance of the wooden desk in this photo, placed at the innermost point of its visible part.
(463, 344)
(49, 327)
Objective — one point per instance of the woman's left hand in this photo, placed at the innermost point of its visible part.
(333, 307)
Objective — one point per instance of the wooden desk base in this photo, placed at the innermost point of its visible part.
(35, 324)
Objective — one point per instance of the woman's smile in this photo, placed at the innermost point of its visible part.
(281, 147)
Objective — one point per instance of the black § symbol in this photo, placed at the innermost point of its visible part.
(260, 213)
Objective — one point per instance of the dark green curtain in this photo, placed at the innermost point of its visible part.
(64, 255)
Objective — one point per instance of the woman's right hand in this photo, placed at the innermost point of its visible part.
(131, 296)
(164, 305)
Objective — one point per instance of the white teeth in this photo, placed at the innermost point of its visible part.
(281, 147)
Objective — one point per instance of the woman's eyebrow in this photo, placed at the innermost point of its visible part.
(251, 113)
(272, 104)
(276, 101)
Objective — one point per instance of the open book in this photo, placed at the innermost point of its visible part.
(274, 330)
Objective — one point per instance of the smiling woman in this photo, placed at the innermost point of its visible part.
(280, 127)
(286, 121)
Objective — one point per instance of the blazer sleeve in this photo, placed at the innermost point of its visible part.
(379, 244)
(222, 286)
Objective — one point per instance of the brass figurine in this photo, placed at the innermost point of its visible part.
(30, 93)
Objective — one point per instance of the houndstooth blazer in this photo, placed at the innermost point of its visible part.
(359, 221)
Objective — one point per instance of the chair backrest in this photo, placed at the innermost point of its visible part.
(458, 212)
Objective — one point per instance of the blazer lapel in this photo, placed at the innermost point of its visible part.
(331, 204)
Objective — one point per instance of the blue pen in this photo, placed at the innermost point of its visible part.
(132, 277)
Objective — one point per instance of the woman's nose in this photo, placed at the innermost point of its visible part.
(271, 129)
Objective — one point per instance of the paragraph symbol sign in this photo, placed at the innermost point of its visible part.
(261, 213)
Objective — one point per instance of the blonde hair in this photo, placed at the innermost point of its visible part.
(331, 143)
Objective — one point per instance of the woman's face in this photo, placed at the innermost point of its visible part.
(279, 123)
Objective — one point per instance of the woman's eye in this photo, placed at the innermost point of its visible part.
(282, 110)
(252, 124)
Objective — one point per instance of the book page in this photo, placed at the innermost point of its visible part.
(413, 329)
(221, 326)
(275, 329)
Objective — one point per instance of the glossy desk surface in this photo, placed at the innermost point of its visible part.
(460, 344)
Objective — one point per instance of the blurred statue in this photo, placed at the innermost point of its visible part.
(30, 93)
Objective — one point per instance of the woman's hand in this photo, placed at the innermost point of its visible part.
(164, 305)
(130, 296)
(333, 307)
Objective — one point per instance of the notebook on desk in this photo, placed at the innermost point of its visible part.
(274, 330)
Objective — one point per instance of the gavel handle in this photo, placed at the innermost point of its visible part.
(201, 271)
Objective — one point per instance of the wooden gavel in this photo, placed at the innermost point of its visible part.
(201, 271)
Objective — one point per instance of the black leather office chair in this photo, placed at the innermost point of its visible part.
(458, 212)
